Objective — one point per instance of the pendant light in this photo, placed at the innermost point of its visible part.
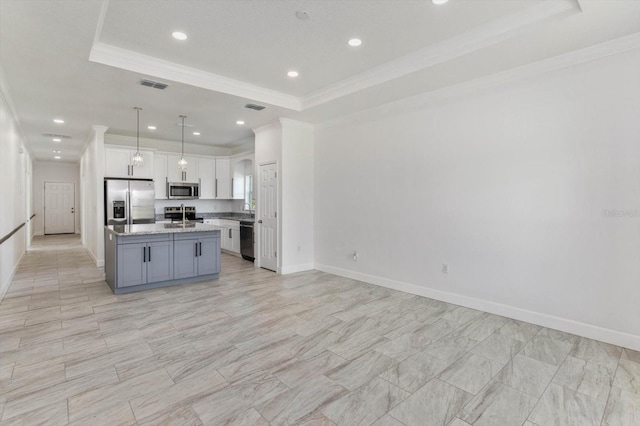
(182, 163)
(137, 158)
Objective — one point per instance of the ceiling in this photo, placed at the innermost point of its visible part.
(82, 60)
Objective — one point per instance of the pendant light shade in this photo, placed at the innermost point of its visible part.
(182, 163)
(137, 157)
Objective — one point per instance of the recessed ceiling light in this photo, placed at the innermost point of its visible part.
(239, 122)
(151, 127)
(292, 74)
(196, 133)
(355, 42)
(439, 1)
(57, 157)
(178, 35)
(58, 121)
(57, 140)
(56, 151)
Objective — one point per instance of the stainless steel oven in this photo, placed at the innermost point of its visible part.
(183, 190)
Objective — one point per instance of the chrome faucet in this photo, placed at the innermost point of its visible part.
(247, 205)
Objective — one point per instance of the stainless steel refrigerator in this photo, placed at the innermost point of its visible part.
(128, 202)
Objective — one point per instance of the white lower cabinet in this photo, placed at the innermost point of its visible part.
(229, 234)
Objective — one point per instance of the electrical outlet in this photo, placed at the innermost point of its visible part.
(445, 268)
(355, 256)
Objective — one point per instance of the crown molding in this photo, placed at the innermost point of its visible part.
(446, 50)
(271, 125)
(534, 69)
(295, 123)
(132, 61)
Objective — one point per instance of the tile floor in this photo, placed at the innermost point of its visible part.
(254, 348)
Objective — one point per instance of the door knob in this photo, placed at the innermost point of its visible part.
(260, 221)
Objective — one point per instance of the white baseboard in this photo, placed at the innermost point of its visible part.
(590, 331)
(5, 285)
(296, 268)
(99, 263)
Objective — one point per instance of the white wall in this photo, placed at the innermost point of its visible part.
(48, 171)
(15, 164)
(92, 194)
(297, 196)
(169, 146)
(508, 188)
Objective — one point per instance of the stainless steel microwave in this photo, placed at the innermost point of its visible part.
(183, 190)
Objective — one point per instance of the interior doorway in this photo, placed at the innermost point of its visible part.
(59, 208)
(268, 216)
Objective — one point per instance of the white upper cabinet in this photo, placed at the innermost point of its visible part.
(223, 178)
(174, 174)
(118, 162)
(160, 176)
(207, 170)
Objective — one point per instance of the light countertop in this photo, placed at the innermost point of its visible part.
(159, 228)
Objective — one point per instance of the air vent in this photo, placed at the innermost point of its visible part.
(154, 84)
(55, 135)
(254, 106)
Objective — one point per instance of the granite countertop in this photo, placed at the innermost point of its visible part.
(248, 217)
(159, 228)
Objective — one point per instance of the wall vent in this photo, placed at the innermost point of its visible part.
(55, 135)
(154, 84)
(254, 106)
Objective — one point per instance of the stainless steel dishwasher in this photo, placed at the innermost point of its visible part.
(246, 240)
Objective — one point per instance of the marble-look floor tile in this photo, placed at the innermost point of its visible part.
(585, 377)
(249, 417)
(450, 347)
(498, 404)
(387, 421)
(361, 370)
(53, 414)
(309, 346)
(156, 405)
(268, 360)
(628, 376)
(100, 399)
(471, 372)
(118, 415)
(366, 404)
(527, 375)
(519, 330)
(414, 372)
(301, 371)
(228, 402)
(560, 406)
(482, 327)
(458, 422)
(498, 347)
(351, 347)
(295, 404)
(598, 352)
(436, 403)
(408, 344)
(548, 350)
(182, 416)
(630, 355)
(623, 409)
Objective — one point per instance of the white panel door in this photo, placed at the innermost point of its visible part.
(267, 216)
(59, 208)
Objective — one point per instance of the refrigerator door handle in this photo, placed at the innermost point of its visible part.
(129, 221)
(144, 254)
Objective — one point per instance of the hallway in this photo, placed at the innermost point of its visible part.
(256, 348)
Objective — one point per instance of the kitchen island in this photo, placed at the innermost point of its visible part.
(146, 256)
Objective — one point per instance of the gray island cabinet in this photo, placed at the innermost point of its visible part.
(141, 257)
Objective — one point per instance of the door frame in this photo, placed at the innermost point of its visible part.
(278, 233)
(44, 206)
